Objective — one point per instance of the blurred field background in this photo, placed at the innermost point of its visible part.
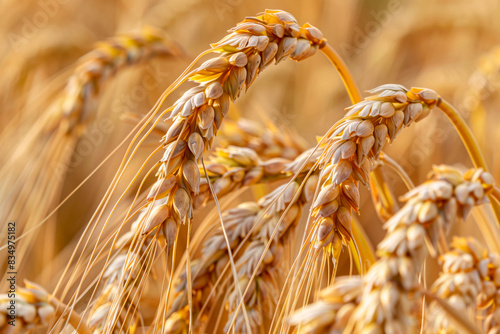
(452, 47)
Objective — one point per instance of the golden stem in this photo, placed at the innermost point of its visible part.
(362, 245)
(388, 204)
(345, 74)
(465, 133)
(398, 169)
(470, 143)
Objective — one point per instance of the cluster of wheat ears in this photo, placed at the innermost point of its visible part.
(268, 265)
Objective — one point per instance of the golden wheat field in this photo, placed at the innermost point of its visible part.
(227, 166)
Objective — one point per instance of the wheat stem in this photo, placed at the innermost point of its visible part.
(398, 169)
(355, 95)
(465, 133)
(469, 141)
(345, 74)
(384, 200)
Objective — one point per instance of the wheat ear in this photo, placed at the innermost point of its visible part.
(34, 308)
(470, 276)
(34, 189)
(392, 282)
(351, 149)
(250, 47)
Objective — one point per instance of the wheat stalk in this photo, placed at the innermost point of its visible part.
(392, 281)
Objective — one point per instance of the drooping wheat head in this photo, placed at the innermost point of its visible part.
(34, 182)
(392, 282)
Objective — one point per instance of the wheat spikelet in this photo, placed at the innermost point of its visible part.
(392, 281)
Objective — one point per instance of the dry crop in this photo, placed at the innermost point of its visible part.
(183, 216)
